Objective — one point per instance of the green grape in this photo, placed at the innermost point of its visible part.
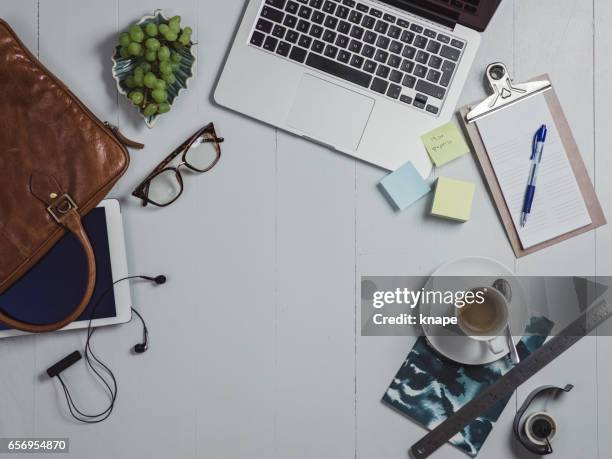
(171, 36)
(124, 52)
(151, 29)
(160, 84)
(184, 39)
(188, 31)
(149, 80)
(174, 27)
(124, 39)
(136, 97)
(139, 80)
(135, 48)
(159, 95)
(150, 56)
(136, 33)
(163, 28)
(169, 78)
(146, 67)
(175, 67)
(129, 82)
(152, 44)
(164, 107)
(165, 67)
(150, 110)
(163, 54)
(139, 70)
(176, 57)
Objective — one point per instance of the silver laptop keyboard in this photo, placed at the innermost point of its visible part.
(401, 59)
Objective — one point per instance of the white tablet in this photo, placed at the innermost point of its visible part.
(55, 285)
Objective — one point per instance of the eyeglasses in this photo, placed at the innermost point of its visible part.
(200, 153)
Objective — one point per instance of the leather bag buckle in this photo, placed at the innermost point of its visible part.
(61, 206)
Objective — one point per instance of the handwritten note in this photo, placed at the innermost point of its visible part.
(445, 144)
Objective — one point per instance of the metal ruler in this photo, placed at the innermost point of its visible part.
(503, 387)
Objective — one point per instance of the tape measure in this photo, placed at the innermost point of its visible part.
(504, 386)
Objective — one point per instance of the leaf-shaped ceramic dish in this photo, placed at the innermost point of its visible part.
(122, 67)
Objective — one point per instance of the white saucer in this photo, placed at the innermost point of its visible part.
(448, 277)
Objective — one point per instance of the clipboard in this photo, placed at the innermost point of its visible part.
(505, 94)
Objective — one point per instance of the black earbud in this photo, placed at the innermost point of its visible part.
(141, 348)
(159, 280)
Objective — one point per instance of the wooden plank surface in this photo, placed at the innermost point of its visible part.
(570, 34)
(392, 243)
(18, 357)
(255, 340)
(602, 14)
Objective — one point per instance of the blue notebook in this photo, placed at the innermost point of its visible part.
(429, 388)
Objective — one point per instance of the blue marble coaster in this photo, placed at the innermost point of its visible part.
(429, 388)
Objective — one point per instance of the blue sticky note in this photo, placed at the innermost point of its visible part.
(404, 186)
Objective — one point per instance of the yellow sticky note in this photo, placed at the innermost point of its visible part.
(445, 144)
(453, 199)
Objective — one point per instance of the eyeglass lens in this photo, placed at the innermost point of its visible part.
(202, 154)
(165, 187)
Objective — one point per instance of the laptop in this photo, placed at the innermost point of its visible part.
(366, 78)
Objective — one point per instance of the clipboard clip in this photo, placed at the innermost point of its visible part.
(505, 92)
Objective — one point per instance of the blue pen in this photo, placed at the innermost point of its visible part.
(536, 159)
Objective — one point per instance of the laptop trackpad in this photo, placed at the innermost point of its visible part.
(330, 113)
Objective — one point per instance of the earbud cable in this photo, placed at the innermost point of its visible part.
(92, 361)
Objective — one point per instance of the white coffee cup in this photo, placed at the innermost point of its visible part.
(485, 321)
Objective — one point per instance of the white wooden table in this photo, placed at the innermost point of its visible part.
(255, 340)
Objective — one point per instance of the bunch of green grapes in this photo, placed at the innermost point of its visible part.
(156, 49)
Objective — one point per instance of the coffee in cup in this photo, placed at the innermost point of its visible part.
(488, 317)
(485, 318)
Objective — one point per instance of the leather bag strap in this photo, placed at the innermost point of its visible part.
(65, 212)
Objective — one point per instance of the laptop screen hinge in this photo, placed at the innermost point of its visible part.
(427, 10)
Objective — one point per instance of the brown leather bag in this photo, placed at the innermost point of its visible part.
(57, 162)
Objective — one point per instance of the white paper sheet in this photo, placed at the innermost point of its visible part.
(558, 207)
